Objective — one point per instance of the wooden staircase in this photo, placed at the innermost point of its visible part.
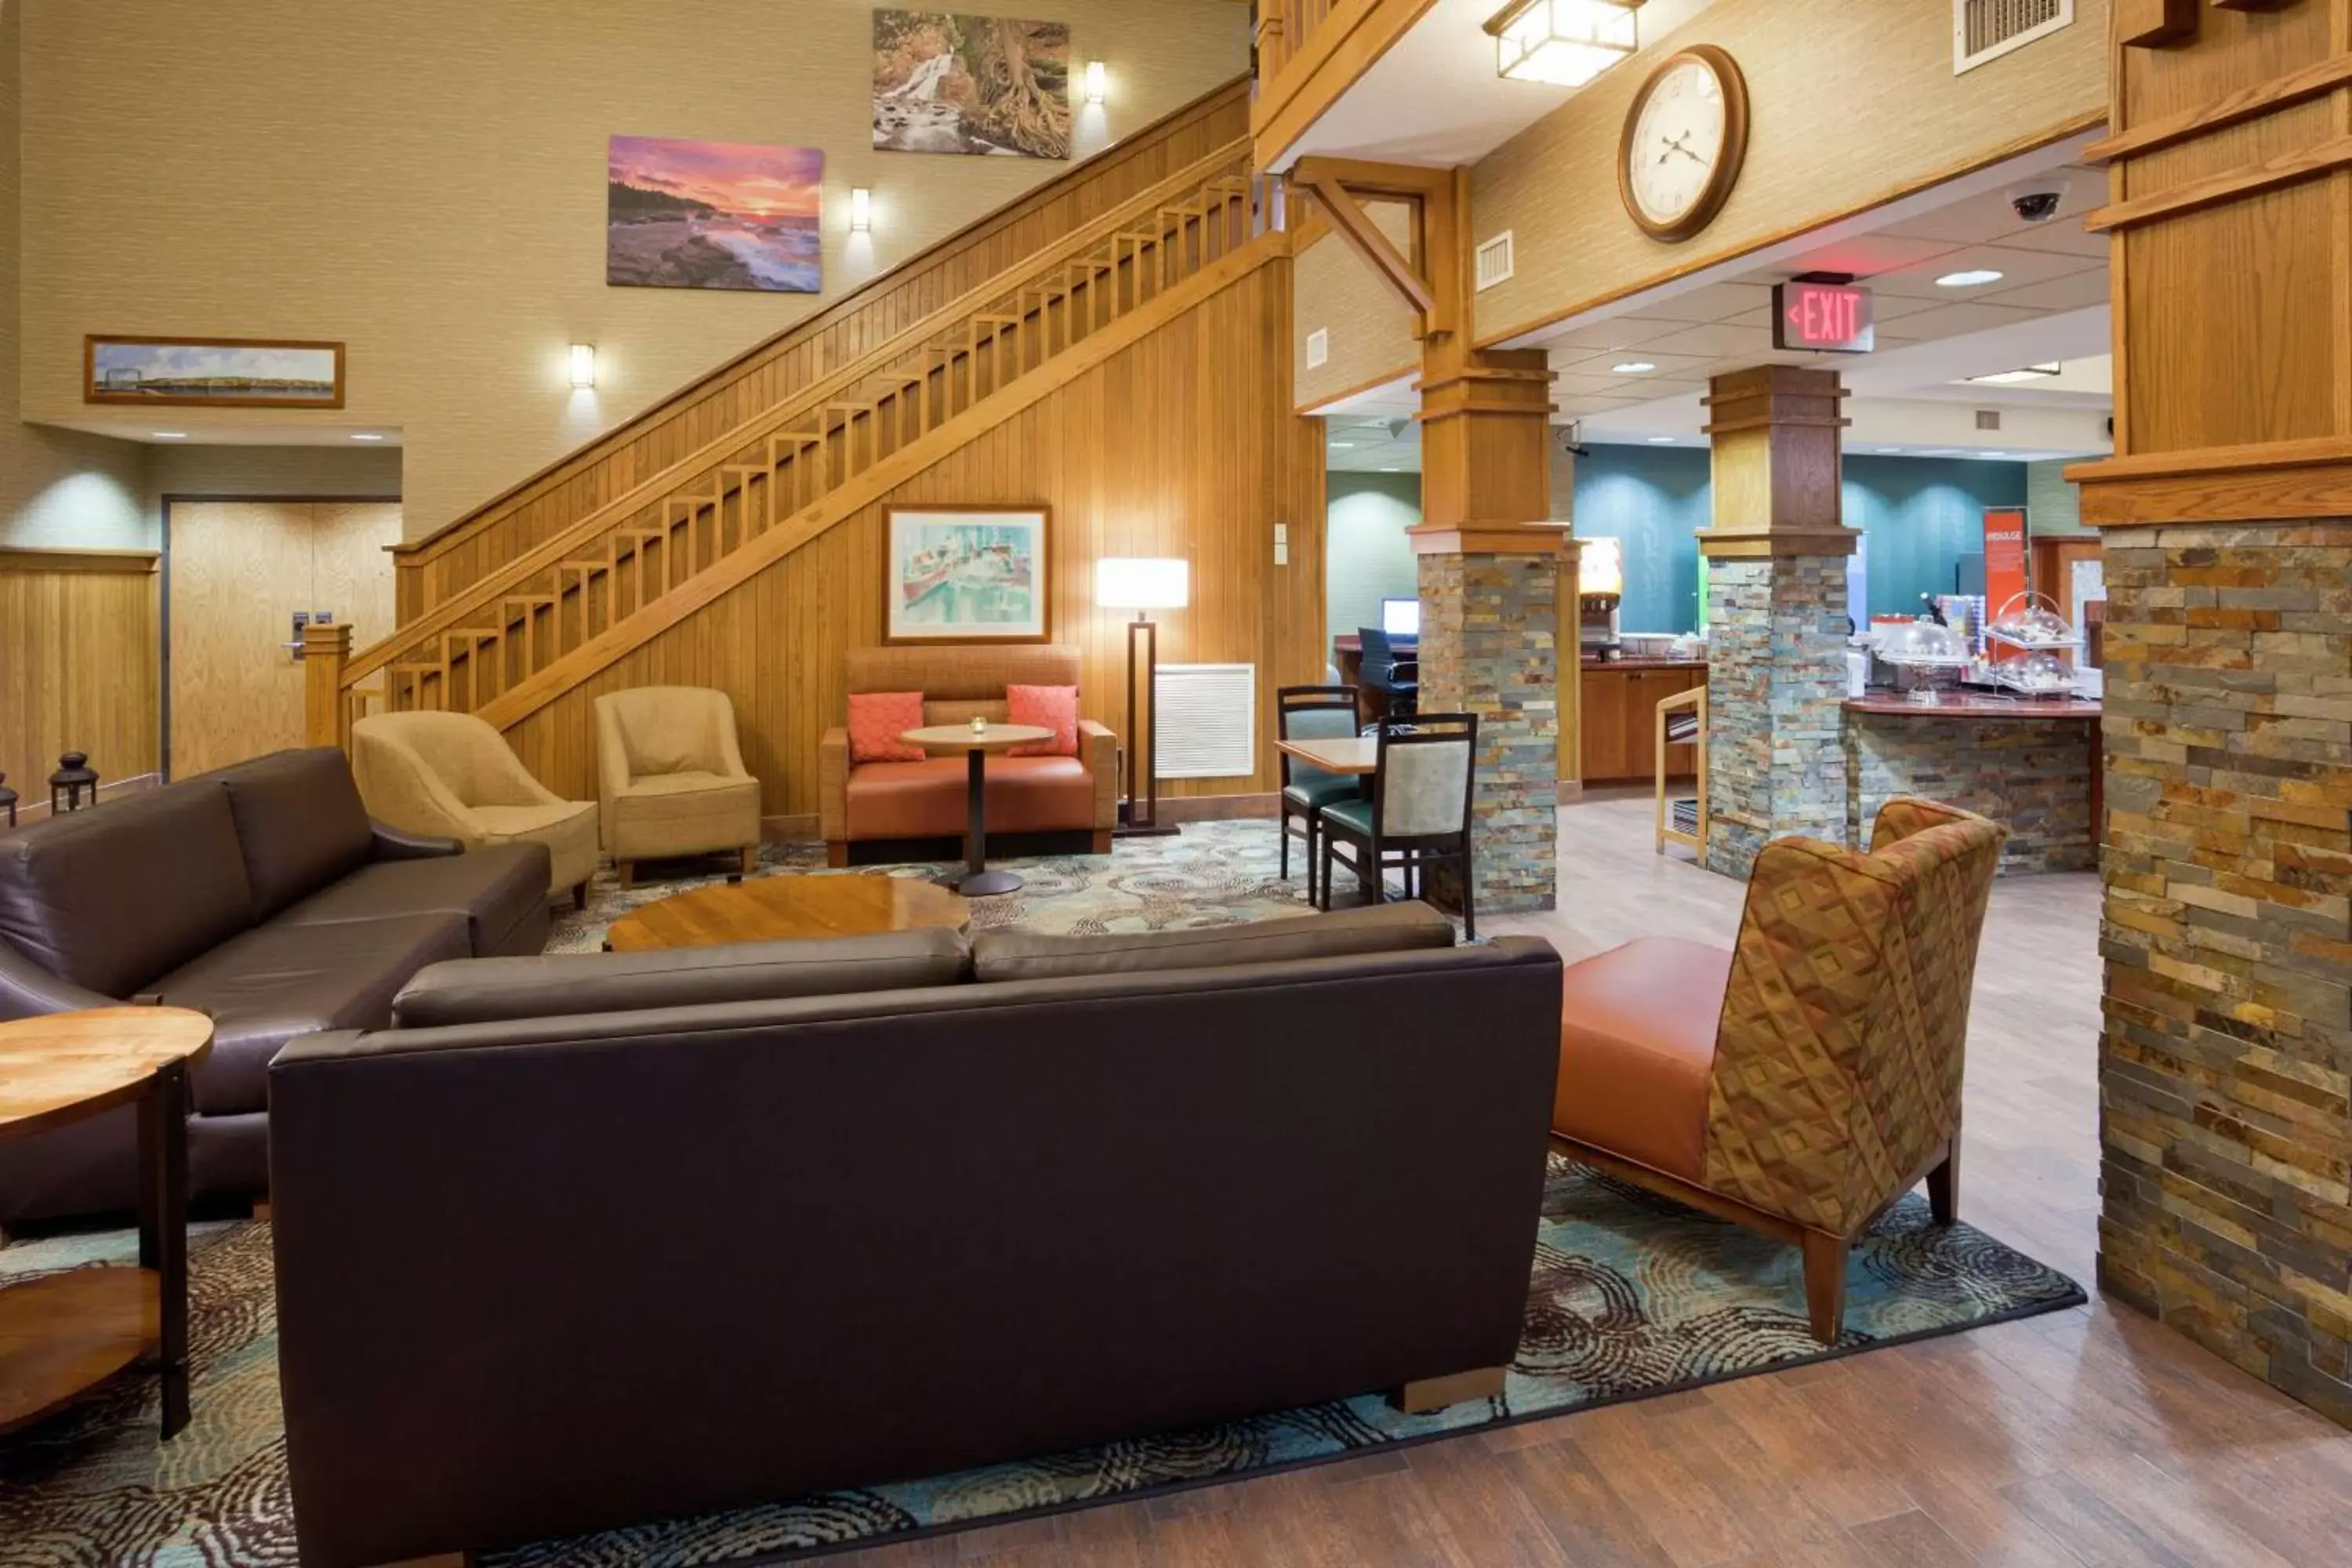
(572, 602)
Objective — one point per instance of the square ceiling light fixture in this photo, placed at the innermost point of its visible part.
(1562, 42)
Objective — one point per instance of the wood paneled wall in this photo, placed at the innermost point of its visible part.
(434, 568)
(80, 653)
(1183, 445)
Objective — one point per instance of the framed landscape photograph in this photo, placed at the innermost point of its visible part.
(211, 372)
(947, 82)
(966, 575)
(713, 215)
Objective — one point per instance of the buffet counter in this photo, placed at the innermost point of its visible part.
(2031, 765)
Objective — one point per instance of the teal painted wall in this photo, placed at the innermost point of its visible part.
(1919, 514)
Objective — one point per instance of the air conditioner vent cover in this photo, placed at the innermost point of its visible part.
(1207, 721)
(1318, 348)
(1987, 29)
(1497, 260)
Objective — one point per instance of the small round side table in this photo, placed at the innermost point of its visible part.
(978, 880)
(64, 1333)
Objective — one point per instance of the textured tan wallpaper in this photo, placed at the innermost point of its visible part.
(58, 489)
(1370, 328)
(1849, 103)
(425, 181)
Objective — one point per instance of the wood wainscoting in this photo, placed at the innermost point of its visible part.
(80, 634)
(239, 569)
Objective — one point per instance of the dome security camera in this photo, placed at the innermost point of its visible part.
(2038, 201)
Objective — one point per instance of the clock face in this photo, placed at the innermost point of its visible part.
(1684, 142)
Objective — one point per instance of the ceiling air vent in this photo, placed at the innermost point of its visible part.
(1318, 348)
(1988, 418)
(1987, 29)
(1496, 261)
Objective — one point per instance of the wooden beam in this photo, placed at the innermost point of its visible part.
(1353, 224)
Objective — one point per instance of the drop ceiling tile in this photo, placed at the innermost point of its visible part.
(1714, 302)
(1719, 340)
(1867, 256)
(2075, 292)
(1959, 319)
(1622, 333)
(1601, 364)
(2017, 268)
(1989, 217)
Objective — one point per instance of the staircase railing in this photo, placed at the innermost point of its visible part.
(655, 540)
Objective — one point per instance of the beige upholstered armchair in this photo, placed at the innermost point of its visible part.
(1802, 1082)
(452, 774)
(671, 778)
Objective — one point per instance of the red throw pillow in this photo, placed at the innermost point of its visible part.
(876, 720)
(1053, 708)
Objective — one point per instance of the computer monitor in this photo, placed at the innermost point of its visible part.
(1400, 617)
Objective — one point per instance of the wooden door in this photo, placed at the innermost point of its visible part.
(240, 570)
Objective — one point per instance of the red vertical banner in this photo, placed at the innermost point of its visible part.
(2004, 554)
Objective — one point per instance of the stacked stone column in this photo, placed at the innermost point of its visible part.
(1777, 614)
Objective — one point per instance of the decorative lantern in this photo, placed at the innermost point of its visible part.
(8, 799)
(74, 775)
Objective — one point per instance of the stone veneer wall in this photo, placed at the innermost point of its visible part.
(1489, 646)
(2030, 775)
(1775, 678)
(2227, 1060)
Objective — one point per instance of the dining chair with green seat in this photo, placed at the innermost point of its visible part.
(1418, 811)
(1312, 713)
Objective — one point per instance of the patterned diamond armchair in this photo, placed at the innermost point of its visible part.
(1803, 1081)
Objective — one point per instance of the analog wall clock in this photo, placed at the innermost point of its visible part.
(1685, 138)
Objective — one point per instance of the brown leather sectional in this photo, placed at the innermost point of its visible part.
(261, 895)
(539, 1275)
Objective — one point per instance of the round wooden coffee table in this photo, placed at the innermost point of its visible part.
(978, 880)
(64, 1333)
(769, 908)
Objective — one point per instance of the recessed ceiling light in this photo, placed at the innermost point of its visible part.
(1393, 471)
(1660, 441)
(1975, 277)
(1343, 446)
(170, 435)
(2011, 377)
(1632, 367)
(1886, 451)
(1992, 454)
(365, 435)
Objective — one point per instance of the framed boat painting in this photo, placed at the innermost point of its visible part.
(966, 575)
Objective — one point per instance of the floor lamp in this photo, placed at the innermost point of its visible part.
(1142, 584)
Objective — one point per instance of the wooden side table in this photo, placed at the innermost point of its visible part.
(978, 880)
(65, 1332)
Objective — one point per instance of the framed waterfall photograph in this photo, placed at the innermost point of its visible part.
(946, 82)
(967, 574)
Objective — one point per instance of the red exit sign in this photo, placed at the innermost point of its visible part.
(1828, 318)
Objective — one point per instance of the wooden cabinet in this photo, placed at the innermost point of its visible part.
(1620, 717)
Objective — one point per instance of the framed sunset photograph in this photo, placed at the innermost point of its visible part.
(713, 215)
(967, 574)
(212, 372)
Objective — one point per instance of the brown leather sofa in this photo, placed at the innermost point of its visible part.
(890, 1234)
(874, 803)
(261, 895)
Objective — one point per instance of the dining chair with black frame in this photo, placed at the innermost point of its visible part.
(1312, 713)
(1419, 808)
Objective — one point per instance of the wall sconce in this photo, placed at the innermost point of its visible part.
(583, 367)
(1563, 42)
(1095, 85)
(861, 211)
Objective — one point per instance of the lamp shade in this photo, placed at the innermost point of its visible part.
(1142, 583)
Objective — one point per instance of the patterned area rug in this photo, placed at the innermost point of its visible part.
(1212, 874)
(1631, 1297)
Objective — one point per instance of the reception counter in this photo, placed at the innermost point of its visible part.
(2030, 764)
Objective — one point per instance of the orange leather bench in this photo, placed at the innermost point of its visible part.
(865, 802)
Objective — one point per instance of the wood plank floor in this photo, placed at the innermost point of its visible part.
(2088, 1438)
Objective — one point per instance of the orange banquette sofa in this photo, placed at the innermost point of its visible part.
(868, 802)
